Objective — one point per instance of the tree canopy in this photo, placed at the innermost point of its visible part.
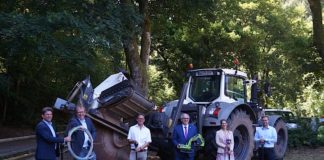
(47, 46)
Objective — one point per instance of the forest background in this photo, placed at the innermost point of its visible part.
(46, 46)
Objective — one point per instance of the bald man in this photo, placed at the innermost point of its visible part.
(181, 135)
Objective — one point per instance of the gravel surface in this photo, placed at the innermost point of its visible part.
(305, 153)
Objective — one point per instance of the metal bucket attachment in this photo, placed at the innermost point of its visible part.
(111, 137)
(124, 101)
(114, 104)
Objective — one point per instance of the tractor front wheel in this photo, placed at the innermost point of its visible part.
(241, 125)
(282, 139)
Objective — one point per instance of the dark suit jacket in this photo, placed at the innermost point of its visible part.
(78, 136)
(179, 138)
(45, 149)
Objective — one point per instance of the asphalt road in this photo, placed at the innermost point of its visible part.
(16, 147)
(21, 148)
(28, 146)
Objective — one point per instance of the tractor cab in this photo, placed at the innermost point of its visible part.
(216, 85)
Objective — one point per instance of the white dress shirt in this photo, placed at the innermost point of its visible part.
(141, 135)
(49, 124)
(86, 137)
(269, 134)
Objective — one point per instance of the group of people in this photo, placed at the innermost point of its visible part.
(139, 137)
(265, 138)
(48, 142)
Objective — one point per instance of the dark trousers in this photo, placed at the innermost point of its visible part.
(84, 152)
(184, 156)
(266, 154)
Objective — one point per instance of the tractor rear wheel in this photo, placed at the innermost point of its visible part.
(282, 139)
(241, 125)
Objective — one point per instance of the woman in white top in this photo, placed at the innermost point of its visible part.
(225, 142)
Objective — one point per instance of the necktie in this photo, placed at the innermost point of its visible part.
(186, 131)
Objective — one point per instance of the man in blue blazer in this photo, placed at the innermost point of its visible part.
(80, 140)
(47, 139)
(181, 135)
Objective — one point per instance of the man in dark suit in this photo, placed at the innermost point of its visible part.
(47, 139)
(181, 135)
(80, 140)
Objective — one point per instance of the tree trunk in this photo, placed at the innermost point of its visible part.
(145, 42)
(318, 33)
(137, 69)
(138, 60)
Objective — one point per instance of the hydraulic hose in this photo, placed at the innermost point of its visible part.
(88, 156)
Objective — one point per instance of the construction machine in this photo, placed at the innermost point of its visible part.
(208, 96)
(112, 105)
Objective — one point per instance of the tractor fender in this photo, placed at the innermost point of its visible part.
(225, 112)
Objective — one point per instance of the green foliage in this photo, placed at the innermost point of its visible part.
(270, 38)
(160, 90)
(46, 47)
(303, 135)
(311, 100)
(320, 135)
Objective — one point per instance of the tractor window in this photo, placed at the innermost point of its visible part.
(204, 88)
(234, 88)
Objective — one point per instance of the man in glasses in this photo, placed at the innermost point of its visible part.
(181, 135)
(81, 143)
